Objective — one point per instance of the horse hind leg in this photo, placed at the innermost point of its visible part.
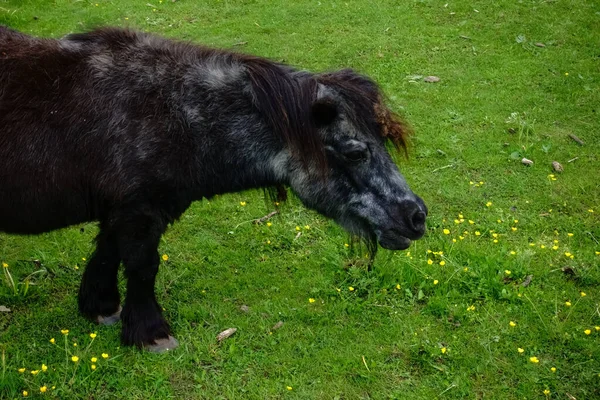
(143, 323)
(99, 298)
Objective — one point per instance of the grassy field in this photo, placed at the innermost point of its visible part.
(500, 300)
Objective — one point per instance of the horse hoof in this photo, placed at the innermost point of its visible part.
(162, 345)
(109, 319)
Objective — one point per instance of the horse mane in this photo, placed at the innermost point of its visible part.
(285, 97)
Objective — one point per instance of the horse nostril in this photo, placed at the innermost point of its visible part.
(418, 219)
(413, 214)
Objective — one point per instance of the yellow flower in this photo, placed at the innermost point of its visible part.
(512, 323)
(471, 308)
(346, 245)
(165, 257)
(597, 328)
(307, 227)
(398, 287)
(93, 367)
(488, 204)
(242, 203)
(64, 331)
(498, 220)
(569, 234)
(477, 233)
(507, 272)
(460, 216)
(429, 261)
(568, 303)
(93, 335)
(520, 350)
(461, 237)
(74, 358)
(21, 370)
(546, 392)
(43, 389)
(52, 341)
(555, 247)
(297, 228)
(269, 224)
(74, 344)
(350, 288)
(495, 240)
(587, 331)
(289, 387)
(429, 251)
(44, 367)
(494, 235)
(104, 355)
(534, 359)
(465, 269)
(435, 282)
(25, 394)
(567, 254)
(471, 222)
(443, 349)
(446, 231)
(514, 228)
(516, 221)
(532, 244)
(442, 263)
(35, 372)
(553, 369)
(590, 210)
(5, 265)
(93, 359)
(453, 240)
(542, 246)
(512, 253)
(311, 300)
(582, 294)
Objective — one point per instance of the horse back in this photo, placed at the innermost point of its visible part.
(72, 143)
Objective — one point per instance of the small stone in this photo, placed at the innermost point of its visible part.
(226, 333)
(277, 326)
(540, 44)
(526, 161)
(557, 167)
(4, 309)
(244, 308)
(431, 79)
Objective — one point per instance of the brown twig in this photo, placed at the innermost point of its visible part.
(575, 138)
(266, 217)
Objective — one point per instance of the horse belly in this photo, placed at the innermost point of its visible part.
(31, 212)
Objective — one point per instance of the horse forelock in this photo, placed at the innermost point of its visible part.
(368, 108)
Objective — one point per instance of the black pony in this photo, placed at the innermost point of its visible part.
(128, 129)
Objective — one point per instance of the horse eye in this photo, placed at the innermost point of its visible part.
(356, 155)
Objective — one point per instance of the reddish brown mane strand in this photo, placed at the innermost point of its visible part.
(393, 128)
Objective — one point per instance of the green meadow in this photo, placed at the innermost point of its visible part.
(500, 299)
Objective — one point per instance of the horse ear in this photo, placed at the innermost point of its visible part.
(324, 111)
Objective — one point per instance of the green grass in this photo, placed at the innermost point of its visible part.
(377, 341)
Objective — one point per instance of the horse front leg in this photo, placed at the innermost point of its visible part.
(143, 323)
(99, 298)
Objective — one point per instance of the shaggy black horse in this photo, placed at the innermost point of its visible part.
(128, 129)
